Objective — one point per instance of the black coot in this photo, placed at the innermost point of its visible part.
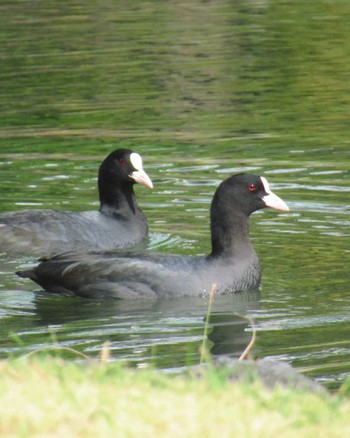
(118, 223)
(232, 264)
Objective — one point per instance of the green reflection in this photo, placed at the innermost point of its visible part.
(201, 90)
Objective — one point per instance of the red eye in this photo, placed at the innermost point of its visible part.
(252, 187)
(122, 162)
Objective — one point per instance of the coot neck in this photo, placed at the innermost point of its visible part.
(230, 235)
(117, 200)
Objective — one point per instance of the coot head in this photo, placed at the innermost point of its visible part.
(244, 194)
(234, 201)
(120, 170)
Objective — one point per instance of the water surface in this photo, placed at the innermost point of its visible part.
(202, 90)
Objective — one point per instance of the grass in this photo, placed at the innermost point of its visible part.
(51, 397)
(45, 396)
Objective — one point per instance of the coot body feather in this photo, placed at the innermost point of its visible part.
(232, 264)
(118, 223)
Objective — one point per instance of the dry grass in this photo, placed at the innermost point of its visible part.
(46, 397)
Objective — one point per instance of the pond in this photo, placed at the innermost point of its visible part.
(202, 90)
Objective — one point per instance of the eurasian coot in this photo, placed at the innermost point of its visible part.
(118, 223)
(232, 264)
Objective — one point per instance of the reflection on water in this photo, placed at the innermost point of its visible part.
(166, 332)
(201, 90)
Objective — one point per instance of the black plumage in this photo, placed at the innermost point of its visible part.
(118, 223)
(232, 264)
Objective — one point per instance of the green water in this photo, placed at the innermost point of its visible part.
(202, 90)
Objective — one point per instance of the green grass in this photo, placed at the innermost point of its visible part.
(52, 397)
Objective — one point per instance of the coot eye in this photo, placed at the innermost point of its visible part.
(122, 162)
(252, 187)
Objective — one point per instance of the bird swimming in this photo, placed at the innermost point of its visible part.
(232, 265)
(119, 222)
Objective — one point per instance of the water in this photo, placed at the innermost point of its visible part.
(202, 90)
